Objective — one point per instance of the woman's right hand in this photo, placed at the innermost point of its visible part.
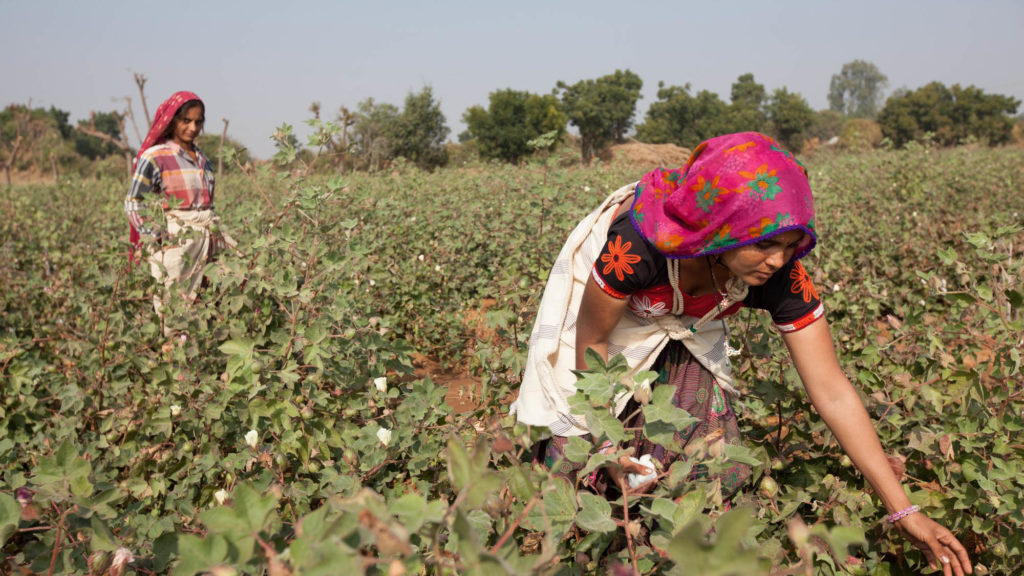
(625, 466)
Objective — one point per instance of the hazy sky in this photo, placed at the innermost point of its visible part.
(261, 64)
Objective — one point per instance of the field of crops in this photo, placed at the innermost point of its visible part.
(285, 428)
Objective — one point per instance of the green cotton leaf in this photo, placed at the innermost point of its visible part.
(460, 470)
(741, 455)
(603, 424)
(661, 433)
(221, 519)
(520, 484)
(663, 509)
(947, 256)
(732, 526)
(102, 537)
(577, 449)
(661, 409)
(197, 554)
(595, 513)
(410, 509)
(597, 460)
(840, 538)
(556, 509)
(688, 509)
(481, 487)
(10, 516)
(252, 506)
(597, 388)
(242, 347)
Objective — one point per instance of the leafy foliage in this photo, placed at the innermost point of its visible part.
(790, 118)
(257, 440)
(950, 116)
(856, 92)
(601, 109)
(512, 119)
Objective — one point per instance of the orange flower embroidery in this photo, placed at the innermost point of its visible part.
(618, 260)
(802, 284)
(739, 147)
(666, 241)
(759, 229)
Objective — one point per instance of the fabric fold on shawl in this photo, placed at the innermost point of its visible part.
(199, 237)
(548, 381)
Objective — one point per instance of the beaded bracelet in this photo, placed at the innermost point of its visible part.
(897, 516)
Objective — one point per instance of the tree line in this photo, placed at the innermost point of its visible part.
(515, 124)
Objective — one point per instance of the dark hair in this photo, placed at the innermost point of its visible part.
(180, 115)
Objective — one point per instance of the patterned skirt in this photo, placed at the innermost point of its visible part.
(696, 392)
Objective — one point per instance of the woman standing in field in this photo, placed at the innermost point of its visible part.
(653, 273)
(170, 164)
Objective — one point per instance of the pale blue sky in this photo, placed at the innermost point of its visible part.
(261, 63)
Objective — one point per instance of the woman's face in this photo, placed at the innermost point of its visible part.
(755, 263)
(188, 127)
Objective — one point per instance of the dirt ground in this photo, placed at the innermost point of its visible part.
(647, 156)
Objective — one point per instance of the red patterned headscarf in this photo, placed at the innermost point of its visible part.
(736, 190)
(164, 116)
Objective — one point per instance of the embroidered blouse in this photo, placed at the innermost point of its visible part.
(630, 268)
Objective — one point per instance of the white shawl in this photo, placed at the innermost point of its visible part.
(548, 381)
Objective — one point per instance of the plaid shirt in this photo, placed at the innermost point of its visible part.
(186, 184)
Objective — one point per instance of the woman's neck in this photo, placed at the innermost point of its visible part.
(695, 276)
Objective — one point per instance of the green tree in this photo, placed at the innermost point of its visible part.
(601, 109)
(949, 115)
(511, 120)
(790, 118)
(746, 110)
(29, 138)
(104, 124)
(857, 90)
(420, 131)
(372, 133)
(685, 120)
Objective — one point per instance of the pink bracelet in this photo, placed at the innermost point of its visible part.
(897, 516)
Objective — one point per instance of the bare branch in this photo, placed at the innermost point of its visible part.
(131, 116)
(220, 151)
(140, 81)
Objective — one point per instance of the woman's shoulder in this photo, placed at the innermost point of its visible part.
(790, 285)
(157, 150)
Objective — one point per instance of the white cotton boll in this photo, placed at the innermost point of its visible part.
(381, 384)
(836, 287)
(586, 188)
(175, 410)
(420, 257)
(221, 496)
(642, 392)
(252, 438)
(372, 282)
(638, 479)
(437, 268)
(384, 435)
(122, 557)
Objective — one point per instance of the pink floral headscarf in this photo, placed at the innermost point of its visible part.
(736, 190)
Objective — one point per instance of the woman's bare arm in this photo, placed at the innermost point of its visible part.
(833, 396)
(598, 315)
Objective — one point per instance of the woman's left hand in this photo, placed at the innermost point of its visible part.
(939, 545)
